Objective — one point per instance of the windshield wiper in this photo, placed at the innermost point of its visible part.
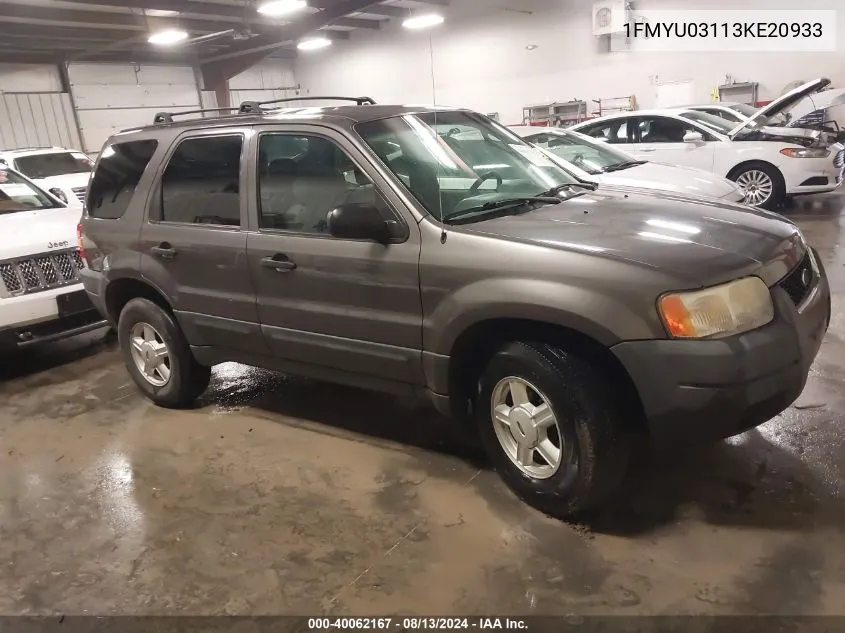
(591, 186)
(499, 204)
(624, 165)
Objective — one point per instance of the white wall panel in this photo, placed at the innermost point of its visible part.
(37, 120)
(113, 97)
(29, 78)
(479, 59)
(269, 75)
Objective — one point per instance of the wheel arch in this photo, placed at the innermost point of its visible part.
(476, 345)
(122, 290)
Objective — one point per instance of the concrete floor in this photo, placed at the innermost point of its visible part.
(280, 496)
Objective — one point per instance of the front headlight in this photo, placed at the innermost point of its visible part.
(805, 152)
(732, 308)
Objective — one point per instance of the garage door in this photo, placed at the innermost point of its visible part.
(113, 97)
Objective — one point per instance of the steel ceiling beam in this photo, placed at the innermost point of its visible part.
(295, 31)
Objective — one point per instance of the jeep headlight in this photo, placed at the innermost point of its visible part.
(731, 308)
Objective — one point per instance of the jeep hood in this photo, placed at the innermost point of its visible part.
(784, 102)
(32, 232)
(698, 241)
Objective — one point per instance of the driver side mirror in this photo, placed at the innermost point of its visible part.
(362, 221)
(693, 137)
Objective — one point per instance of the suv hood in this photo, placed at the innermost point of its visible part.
(698, 241)
(65, 180)
(784, 102)
(32, 232)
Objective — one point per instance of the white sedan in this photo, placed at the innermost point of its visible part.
(602, 163)
(766, 166)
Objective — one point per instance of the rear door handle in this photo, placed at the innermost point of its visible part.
(164, 250)
(279, 262)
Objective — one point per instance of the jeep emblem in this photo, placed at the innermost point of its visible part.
(62, 244)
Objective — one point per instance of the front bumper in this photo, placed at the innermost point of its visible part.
(695, 391)
(34, 319)
(814, 170)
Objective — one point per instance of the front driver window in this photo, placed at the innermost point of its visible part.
(302, 178)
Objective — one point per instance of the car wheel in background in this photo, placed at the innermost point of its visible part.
(551, 426)
(158, 356)
(762, 184)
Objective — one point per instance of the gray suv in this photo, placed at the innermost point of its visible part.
(431, 252)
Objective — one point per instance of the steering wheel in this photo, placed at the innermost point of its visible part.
(483, 178)
(578, 160)
(453, 131)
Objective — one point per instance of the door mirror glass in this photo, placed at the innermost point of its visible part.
(360, 221)
(693, 137)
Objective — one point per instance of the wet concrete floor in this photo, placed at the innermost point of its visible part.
(281, 496)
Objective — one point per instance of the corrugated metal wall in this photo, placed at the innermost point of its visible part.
(113, 97)
(37, 119)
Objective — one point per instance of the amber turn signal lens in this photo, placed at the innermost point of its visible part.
(676, 316)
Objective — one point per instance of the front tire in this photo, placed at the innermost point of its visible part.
(762, 184)
(158, 356)
(552, 427)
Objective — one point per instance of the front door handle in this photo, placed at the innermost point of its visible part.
(279, 262)
(646, 150)
(164, 250)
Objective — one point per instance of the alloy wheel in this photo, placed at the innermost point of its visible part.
(150, 354)
(527, 428)
(757, 186)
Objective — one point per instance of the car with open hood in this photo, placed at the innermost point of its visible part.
(430, 252)
(41, 297)
(768, 167)
(810, 111)
(598, 162)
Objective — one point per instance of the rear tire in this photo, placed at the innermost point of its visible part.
(762, 184)
(588, 432)
(158, 356)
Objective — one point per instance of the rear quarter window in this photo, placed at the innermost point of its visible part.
(118, 173)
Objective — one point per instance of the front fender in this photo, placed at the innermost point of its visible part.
(605, 319)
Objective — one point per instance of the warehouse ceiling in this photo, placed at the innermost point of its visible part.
(220, 31)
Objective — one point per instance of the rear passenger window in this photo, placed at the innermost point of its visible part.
(201, 184)
(118, 172)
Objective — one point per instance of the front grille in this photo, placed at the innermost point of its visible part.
(839, 159)
(41, 272)
(794, 282)
(79, 192)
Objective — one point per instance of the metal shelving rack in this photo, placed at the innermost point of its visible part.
(557, 114)
(615, 104)
(740, 92)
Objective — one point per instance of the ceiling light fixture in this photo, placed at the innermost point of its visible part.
(314, 43)
(168, 37)
(531, 47)
(276, 8)
(423, 21)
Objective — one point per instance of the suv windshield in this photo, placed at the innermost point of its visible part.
(575, 148)
(458, 163)
(53, 164)
(17, 194)
(749, 111)
(708, 120)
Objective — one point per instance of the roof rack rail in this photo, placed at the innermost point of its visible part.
(167, 117)
(254, 107)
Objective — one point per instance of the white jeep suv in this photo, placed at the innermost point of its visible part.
(41, 297)
(62, 172)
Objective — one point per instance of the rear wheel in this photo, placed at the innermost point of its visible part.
(158, 356)
(550, 425)
(762, 185)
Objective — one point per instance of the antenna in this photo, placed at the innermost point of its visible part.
(443, 234)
